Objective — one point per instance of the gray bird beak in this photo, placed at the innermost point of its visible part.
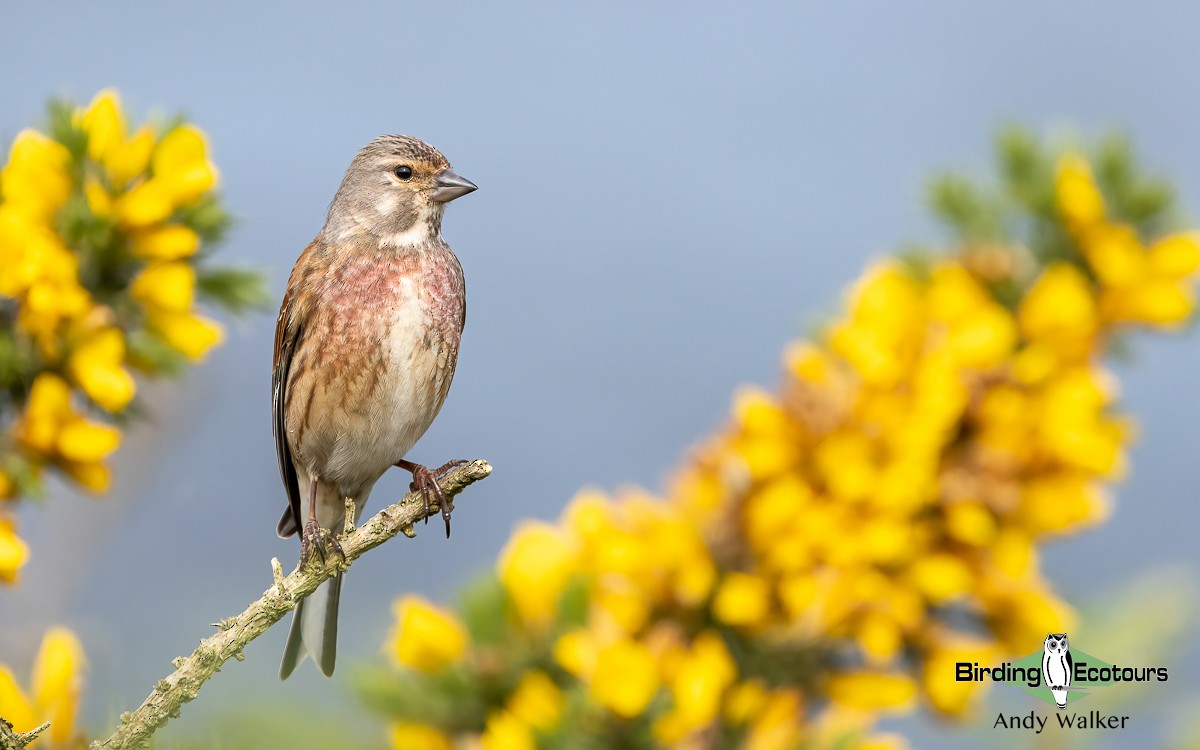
(450, 186)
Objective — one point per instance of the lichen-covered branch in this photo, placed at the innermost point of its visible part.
(191, 672)
(10, 740)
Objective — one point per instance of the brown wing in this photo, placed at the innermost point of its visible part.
(289, 329)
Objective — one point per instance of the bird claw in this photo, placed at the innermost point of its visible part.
(321, 541)
(453, 463)
(425, 481)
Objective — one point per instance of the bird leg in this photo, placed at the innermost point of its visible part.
(314, 538)
(425, 481)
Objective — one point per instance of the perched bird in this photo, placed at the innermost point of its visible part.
(365, 349)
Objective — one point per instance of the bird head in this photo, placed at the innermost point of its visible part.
(395, 191)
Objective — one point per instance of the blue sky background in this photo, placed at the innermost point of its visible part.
(669, 192)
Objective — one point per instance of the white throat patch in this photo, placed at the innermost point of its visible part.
(420, 232)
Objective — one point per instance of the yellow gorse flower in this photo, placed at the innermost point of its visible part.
(167, 290)
(1138, 284)
(1075, 192)
(96, 364)
(743, 600)
(54, 689)
(169, 286)
(52, 428)
(39, 271)
(536, 701)
(13, 551)
(180, 174)
(871, 690)
(698, 680)
(777, 724)
(407, 735)
(34, 183)
(426, 638)
(123, 156)
(165, 243)
(504, 731)
(535, 567)
(624, 678)
(192, 335)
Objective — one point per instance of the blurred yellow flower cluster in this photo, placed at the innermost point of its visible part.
(137, 182)
(1137, 284)
(831, 554)
(425, 637)
(37, 267)
(53, 693)
(53, 430)
(100, 229)
(908, 467)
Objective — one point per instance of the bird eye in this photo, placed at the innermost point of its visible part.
(404, 173)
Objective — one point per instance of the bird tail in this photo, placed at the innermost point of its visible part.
(314, 629)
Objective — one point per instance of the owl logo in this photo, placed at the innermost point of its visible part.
(1057, 667)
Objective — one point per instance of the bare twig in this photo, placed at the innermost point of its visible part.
(10, 740)
(169, 695)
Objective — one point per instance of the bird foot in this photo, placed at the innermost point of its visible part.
(425, 481)
(318, 540)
